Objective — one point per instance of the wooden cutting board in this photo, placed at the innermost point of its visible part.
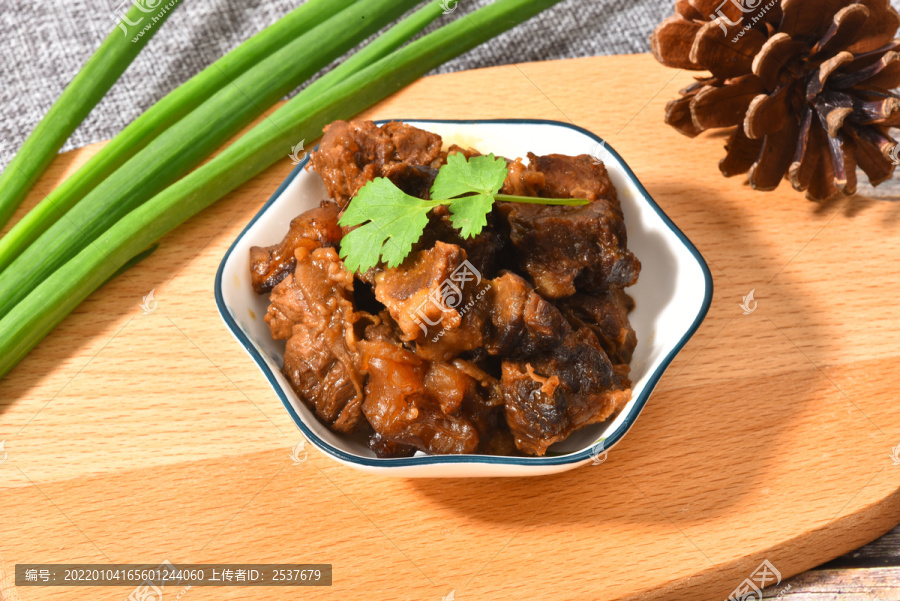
(137, 438)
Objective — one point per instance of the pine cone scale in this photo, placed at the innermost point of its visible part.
(881, 28)
(678, 115)
(724, 58)
(671, 42)
(809, 21)
(833, 109)
(768, 114)
(845, 30)
(807, 155)
(687, 11)
(807, 85)
(708, 7)
(724, 106)
(741, 154)
(817, 83)
(775, 55)
(775, 158)
(843, 159)
(872, 149)
(884, 111)
(884, 74)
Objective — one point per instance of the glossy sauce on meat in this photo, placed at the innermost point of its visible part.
(311, 308)
(313, 229)
(353, 154)
(504, 343)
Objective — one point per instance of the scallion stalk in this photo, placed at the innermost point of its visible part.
(301, 118)
(187, 143)
(86, 89)
(160, 117)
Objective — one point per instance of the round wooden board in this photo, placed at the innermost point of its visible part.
(139, 438)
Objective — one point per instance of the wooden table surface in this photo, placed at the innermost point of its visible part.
(139, 438)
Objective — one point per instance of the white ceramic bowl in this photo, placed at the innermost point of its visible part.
(672, 298)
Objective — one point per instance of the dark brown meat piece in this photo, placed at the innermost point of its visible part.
(436, 297)
(606, 314)
(405, 289)
(385, 449)
(559, 176)
(312, 308)
(413, 145)
(484, 251)
(567, 248)
(415, 180)
(383, 329)
(483, 405)
(502, 441)
(354, 153)
(313, 229)
(535, 412)
(483, 409)
(553, 395)
(523, 322)
(412, 402)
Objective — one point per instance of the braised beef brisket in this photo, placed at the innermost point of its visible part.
(554, 394)
(606, 314)
(313, 229)
(560, 176)
(523, 323)
(564, 249)
(353, 154)
(408, 404)
(312, 309)
(503, 343)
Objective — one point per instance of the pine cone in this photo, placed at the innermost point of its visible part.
(808, 83)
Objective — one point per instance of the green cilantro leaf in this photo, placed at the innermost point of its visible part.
(480, 178)
(469, 213)
(393, 220)
(478, 175)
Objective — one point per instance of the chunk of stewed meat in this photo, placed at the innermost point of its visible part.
(606, 314)
(559, 176)
(313, 229)
(351, 154)
(535, 411)
(413, 145)
(407, 289)
(312, 309)
(523, 323)
(485, 250)
(410, 402)
(565, 248)
(466, 152)
(555, 394)
(386, 449)
(436, 298)
(415, 180)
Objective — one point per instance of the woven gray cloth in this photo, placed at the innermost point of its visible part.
(43, 44)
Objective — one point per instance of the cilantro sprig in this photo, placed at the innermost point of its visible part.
(391, 221)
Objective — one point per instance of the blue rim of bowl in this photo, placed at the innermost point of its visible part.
(569, 458)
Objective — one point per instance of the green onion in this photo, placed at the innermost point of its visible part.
(301, 118)
(79, 98)
(184, 145)
(160, 117)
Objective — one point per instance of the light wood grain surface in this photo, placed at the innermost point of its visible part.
(135, 438)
